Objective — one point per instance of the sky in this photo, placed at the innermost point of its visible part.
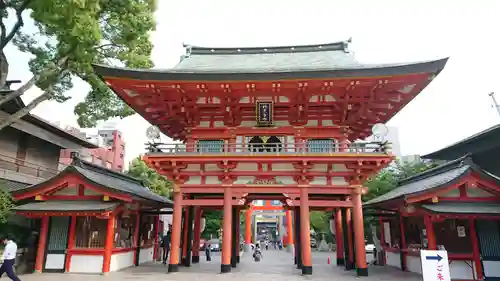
(455, 105)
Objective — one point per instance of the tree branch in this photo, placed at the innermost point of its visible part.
(19, 23)
(18, 115)
(19, 92)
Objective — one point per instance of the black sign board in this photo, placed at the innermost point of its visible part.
(264, 113)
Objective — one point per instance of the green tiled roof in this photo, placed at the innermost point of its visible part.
(11, 186)
(271, 63)
(464, 208)
(440, 176)
(101, 176)
(73, 206)
(268, 59)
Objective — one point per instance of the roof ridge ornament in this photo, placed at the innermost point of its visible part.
(345, 45)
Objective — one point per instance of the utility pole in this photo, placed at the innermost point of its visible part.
(495, 104)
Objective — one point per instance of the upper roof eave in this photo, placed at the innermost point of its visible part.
(339, 45)
(434, 66)
(453, 150)
(437, 171)
(73, 169)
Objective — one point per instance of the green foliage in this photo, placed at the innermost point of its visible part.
(320, 221)
(388, 178)
(6, 202)
(154, 181)
(74, 34)
(213, 220)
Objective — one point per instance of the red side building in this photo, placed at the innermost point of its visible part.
(110, 154)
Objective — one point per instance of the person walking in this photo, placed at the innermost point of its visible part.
(9, 258)
(165, 244)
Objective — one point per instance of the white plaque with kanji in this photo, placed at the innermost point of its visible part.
(435, 266)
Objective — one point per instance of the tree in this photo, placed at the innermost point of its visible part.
(213, 220)
(385, 181)
(6, 202)
(150, 178)
(72, 35)
(320, 221)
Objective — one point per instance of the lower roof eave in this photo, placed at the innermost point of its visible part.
(369, 71)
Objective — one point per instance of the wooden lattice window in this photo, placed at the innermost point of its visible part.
(91, 232)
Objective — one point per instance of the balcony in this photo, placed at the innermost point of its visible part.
(23, 171)
(230, 149)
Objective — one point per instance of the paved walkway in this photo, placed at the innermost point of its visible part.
(275, 266)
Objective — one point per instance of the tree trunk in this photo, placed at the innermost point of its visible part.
(18, 115)
(4, 70)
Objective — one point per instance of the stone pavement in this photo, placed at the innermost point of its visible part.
(275, 266)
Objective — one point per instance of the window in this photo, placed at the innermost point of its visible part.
(210, 146)
(447, 234)
(147, 235)
(321, 145)
(91, 232)
(125, 231)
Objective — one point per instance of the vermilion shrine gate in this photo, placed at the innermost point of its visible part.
(281, 114)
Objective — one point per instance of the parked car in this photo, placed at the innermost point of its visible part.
(313, 243)
(215, 245)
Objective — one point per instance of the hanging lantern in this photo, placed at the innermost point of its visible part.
(332, 226)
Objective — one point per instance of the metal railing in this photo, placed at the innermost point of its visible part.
(259, 149)
(26, 167)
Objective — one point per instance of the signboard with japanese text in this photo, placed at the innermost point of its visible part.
(264, 113)
(435, 266)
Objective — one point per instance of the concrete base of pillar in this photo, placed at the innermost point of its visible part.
(349, 265)
(290, 248)
(362, 272)
(173, 268)
(247, 248)
(195, 259)
(340, 261)
(307, 270)
(225, 268)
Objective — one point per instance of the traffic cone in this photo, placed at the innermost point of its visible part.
(328, 260)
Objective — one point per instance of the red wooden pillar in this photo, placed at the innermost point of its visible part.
(475, 250)
(42, 242)
(108, 244)
(339, 239)
(136, 236)
(431, 235)
(226, 232)
(382, 241)
(185, 236)
(305, 238)
(238, 222)
(248, 227)
(403, 243)
(156, 233)
(359, 233)
(71, 243)
(289, 230)
(197, 235)
(350, 247)
(173, 265)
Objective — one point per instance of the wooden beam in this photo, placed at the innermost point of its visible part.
(325, 203)
(210, 202)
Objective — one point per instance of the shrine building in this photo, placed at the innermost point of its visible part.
(453, 207)
(92, 220)
(270, 123)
